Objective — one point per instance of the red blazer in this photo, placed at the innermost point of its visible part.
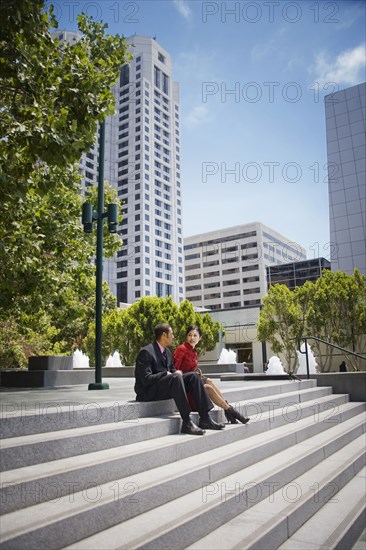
(185, 358)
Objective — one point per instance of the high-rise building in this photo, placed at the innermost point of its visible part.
(226, 269)
(345, 113)
(143, 163)
(297, 273)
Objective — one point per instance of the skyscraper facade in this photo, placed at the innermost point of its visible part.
(345, 126)
(143, 163)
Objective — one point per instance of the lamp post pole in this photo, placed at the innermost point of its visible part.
(98, 385)
(88, 217)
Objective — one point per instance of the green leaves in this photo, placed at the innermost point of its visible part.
(52, 96)
(333, 308)
(128, 330)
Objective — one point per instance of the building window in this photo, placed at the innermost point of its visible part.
(252, 302)
(231, 282)
(125, 75)
(157, 77)
(231, 293)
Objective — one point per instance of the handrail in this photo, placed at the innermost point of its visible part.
(305, 338)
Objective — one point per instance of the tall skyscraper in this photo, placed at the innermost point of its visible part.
(143, 162)
(345, 113)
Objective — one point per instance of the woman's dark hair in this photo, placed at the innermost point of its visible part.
(193, 327)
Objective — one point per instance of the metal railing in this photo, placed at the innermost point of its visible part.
(306, 338)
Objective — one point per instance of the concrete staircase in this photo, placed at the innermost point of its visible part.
(121, 476)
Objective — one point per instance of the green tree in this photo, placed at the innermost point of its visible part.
(128, 330)
(187, 316)
(281, 323)
(210, 332)
(333, 309)
(52, 93)
(337, 313)
(52, 96)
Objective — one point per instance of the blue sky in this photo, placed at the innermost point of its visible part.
(253, 75)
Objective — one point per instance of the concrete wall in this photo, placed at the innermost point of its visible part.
(353, 383)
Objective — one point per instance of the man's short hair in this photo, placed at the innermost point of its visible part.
(160, 329)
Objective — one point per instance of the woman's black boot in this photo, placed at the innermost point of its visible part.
(229, 416)
(236, 415)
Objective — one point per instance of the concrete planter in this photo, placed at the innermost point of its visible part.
(50, 362)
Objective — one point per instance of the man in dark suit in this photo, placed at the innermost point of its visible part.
(157, 378)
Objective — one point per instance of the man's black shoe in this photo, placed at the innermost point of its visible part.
(209, 424)
(191, 428)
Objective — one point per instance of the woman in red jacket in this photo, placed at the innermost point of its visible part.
(186, 360)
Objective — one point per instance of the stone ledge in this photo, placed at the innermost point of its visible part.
(19, 378)
(118, 372)
(353, 383)
(50, 362)
(126, 372)
(253, 376)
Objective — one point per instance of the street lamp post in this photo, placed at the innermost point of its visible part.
(88, 217)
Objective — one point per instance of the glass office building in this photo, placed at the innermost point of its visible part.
(296, 273)
(345, 126)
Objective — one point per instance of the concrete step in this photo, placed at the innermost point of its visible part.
(30, 485)
(341, 519)
(258, 390)
(360, 543)
(324, 494)
(185, 520)
(26, 450)
(18, 452)
(18, 420)
(79, 514)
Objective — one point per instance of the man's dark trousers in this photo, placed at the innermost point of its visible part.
(176, 386)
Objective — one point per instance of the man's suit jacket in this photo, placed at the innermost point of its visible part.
(149, 369)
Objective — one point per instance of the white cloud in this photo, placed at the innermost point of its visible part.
(266, 48)
(348, 67)
(197, 116)
(183, 8)
(350, 16)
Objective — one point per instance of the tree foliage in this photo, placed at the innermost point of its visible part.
(130, 329)
(336, 313)
(281, 322)
(333, 309)
(52, 96)
(52, 93)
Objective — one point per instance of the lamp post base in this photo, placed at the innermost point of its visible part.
(98, 386)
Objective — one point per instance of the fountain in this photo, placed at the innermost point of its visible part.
(227, 357)
(114, 360)
(301, 359)
(275, 366)
(80, 360)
